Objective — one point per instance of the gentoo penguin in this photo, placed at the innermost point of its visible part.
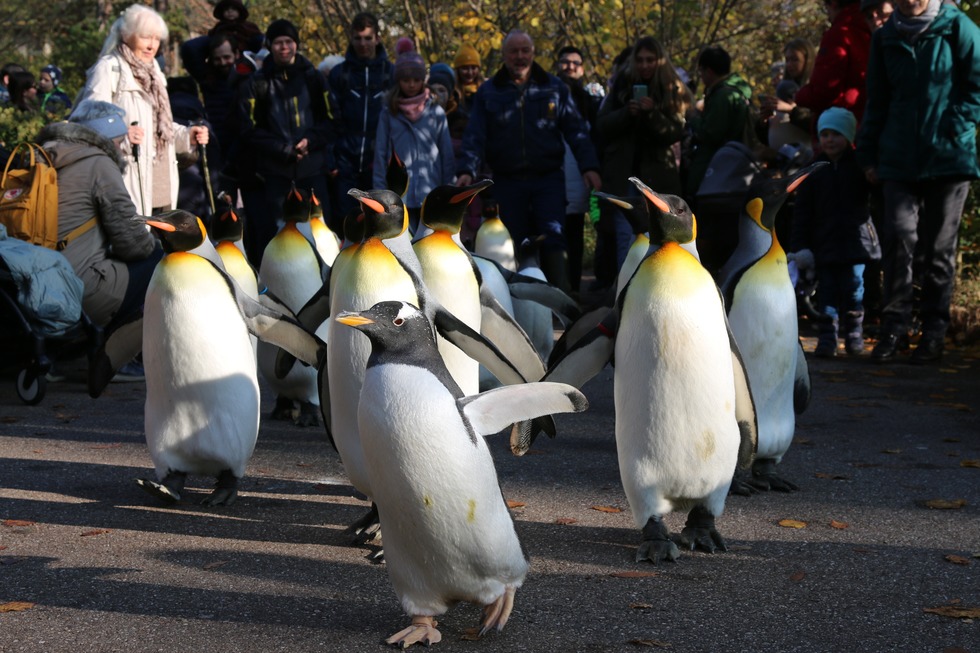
(453, 279)
(493, 241)
(293, 270)
(202, 394)
(762, 313)
(448, 536)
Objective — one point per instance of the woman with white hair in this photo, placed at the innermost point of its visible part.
(128, 76)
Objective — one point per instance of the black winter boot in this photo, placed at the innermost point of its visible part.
(854, 333)
(826, 338)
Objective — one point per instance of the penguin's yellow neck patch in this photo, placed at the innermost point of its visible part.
(754, 209)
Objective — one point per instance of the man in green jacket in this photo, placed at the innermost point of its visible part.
(918, 138)
(725, 115)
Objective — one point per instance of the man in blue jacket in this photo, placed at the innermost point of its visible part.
(517, 123)
(357, 88)
(918, 138)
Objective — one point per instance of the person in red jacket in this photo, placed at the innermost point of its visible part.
(838, 78)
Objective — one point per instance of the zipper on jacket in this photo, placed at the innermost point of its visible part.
(367, 98)
(296, 111)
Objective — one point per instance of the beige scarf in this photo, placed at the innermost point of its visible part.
(153, 83)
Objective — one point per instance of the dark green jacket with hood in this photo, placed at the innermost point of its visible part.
(725, 118)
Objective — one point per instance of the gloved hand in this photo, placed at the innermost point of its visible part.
(805, 264)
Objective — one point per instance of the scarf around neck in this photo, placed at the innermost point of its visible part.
(911, 27)
(152, 82)
(413, 106)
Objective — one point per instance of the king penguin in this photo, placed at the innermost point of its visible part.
(202, 394)
(763, 316)
(448, 536)
(293, 270)
(493, 241)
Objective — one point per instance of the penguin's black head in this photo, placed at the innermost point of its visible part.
(384, 213)
(634, 209)
(391, 326)
(179, 231)
(396, 174)
(296, 205)
(768, 196)
(444, 206)
(228, 226)
(671, 219)
(354, 225)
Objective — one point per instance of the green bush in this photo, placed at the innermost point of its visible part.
(17, 126)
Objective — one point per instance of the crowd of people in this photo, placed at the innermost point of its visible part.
(899, 140)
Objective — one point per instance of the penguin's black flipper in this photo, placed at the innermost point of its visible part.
(494, 410)
(314, 313)
(745, 416)
(801, 384)
(477, 347)
(576, 331)
(120, 347)
(500, 328)
(272, 326)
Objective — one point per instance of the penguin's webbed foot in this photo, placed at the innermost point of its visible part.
(168, 490)
(764, 477)
(656, 545)
(307, 414)
(422, 631)
(700, 533)
(496, 614)
(283, 410)
(377, 556)
(225, 490)
(367, 528)
(743, 487)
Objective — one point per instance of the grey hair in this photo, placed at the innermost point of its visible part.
(514, 33)
(135, 20)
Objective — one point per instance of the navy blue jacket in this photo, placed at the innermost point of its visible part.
(519, 132)
(830, 215)
(357, 88)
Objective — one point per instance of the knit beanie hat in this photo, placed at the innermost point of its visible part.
(219, 9)
(440, 73)
(54, 72)
(103, 117)
(409, 65)
(281, 27)
(467, 56)
(840, 120)
(403, 45)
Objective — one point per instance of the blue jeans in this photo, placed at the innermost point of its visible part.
(533, 206)
(924, 214)
(840, 288)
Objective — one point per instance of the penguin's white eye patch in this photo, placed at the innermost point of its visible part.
(398, 321)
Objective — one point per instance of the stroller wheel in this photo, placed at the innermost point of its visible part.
(31, 394)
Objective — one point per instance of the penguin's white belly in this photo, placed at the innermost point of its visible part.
(292, 273)
(449, 278)
(447, 532)
(202, 395)
(763, 321)
(357, 289)
(676, 433)
(237, 267)
(495, 283)
(536, 321)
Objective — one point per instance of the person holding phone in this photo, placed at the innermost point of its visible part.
(639, 123)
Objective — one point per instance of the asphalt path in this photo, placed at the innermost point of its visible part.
(88, 562)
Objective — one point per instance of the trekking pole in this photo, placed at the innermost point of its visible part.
(139, 173)
(202, 151)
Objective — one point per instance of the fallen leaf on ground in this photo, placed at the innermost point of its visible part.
(792, 523)
(634, 574)
(945, 504)
(470, 635)
(607, 509)
(97, 531)
(797, 576)
(13, 523)
(891, 451)
(2, 547)
(802, 441)
(956, 560)
(955, 649)
(215, 564)
(16, 606)
(955, 612)
(650, 643)
(970, 463)
(304, 464)
(951, 439)
(515, 504)
(641, 606)
(833, 477)
(565, 521)
(9, 419)
(839, 525)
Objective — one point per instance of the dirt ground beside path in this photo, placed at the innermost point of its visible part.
(97, 565)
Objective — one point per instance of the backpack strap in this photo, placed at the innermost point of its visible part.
(88, 225)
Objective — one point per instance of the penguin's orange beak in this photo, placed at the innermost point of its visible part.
(162, 226)
(354, 319)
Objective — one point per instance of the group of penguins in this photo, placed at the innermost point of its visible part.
(386, 335)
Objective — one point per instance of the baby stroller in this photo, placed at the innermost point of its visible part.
(34, 339)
